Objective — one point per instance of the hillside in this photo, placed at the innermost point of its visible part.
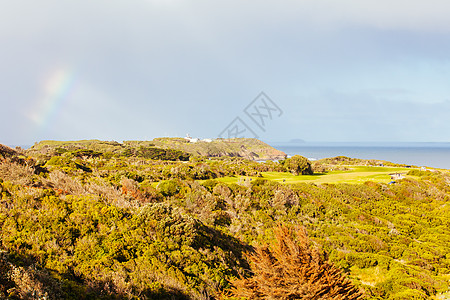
(81, 223)
(251, 149)
(6, 151)
(58, 147)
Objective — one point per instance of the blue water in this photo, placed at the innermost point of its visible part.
(436, 155)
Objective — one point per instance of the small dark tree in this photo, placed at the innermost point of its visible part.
(298, 165)
(291, 269)
(168, 188)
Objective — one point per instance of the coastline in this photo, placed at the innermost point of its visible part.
(436, 155)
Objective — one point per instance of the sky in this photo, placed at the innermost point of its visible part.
(328, 70)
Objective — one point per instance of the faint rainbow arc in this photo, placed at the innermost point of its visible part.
(57, 90)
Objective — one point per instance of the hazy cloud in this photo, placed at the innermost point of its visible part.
(140, 69)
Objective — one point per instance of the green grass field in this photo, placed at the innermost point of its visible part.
(356, 174)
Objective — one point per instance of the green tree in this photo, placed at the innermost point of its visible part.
(168, 188)
(298, 165)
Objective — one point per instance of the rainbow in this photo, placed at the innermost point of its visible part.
(56, 89)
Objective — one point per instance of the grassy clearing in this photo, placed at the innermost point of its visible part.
(356, 174)
(369, 276)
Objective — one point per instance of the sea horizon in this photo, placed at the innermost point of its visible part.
(429, 154)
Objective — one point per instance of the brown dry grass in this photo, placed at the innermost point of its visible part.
(16, 173)
(28, 282)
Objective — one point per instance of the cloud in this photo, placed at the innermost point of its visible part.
(383, 14)
(392, 15)
(152, 67)
(367, 116)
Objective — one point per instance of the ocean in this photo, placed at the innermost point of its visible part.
(436, 155)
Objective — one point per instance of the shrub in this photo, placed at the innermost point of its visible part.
(291, 269)
(209, 184)
(86, 153)
(16, 173)
(168, 188)
(419, 173)
(298, 165)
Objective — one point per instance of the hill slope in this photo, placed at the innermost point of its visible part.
(252, 149)
(6, 151)
(87, 226)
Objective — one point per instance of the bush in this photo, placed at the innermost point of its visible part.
(168, 188)
(419, 173)
(81, 153)
(291, 269)
(210, 184)
(298, 165)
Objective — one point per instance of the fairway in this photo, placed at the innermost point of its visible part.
(356, 174)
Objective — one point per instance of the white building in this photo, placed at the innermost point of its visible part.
(195, 140)
(190, 139)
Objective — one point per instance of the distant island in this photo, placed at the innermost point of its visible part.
(297, 141)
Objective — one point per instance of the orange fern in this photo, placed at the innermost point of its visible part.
(292, 269)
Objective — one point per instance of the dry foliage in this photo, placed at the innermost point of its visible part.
(110, 194)
(67, 184)
(26, 282)
(292, 269)
(6, 151)
(16, 173)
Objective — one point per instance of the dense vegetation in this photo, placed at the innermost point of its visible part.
(87, 223)
(159, 148)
